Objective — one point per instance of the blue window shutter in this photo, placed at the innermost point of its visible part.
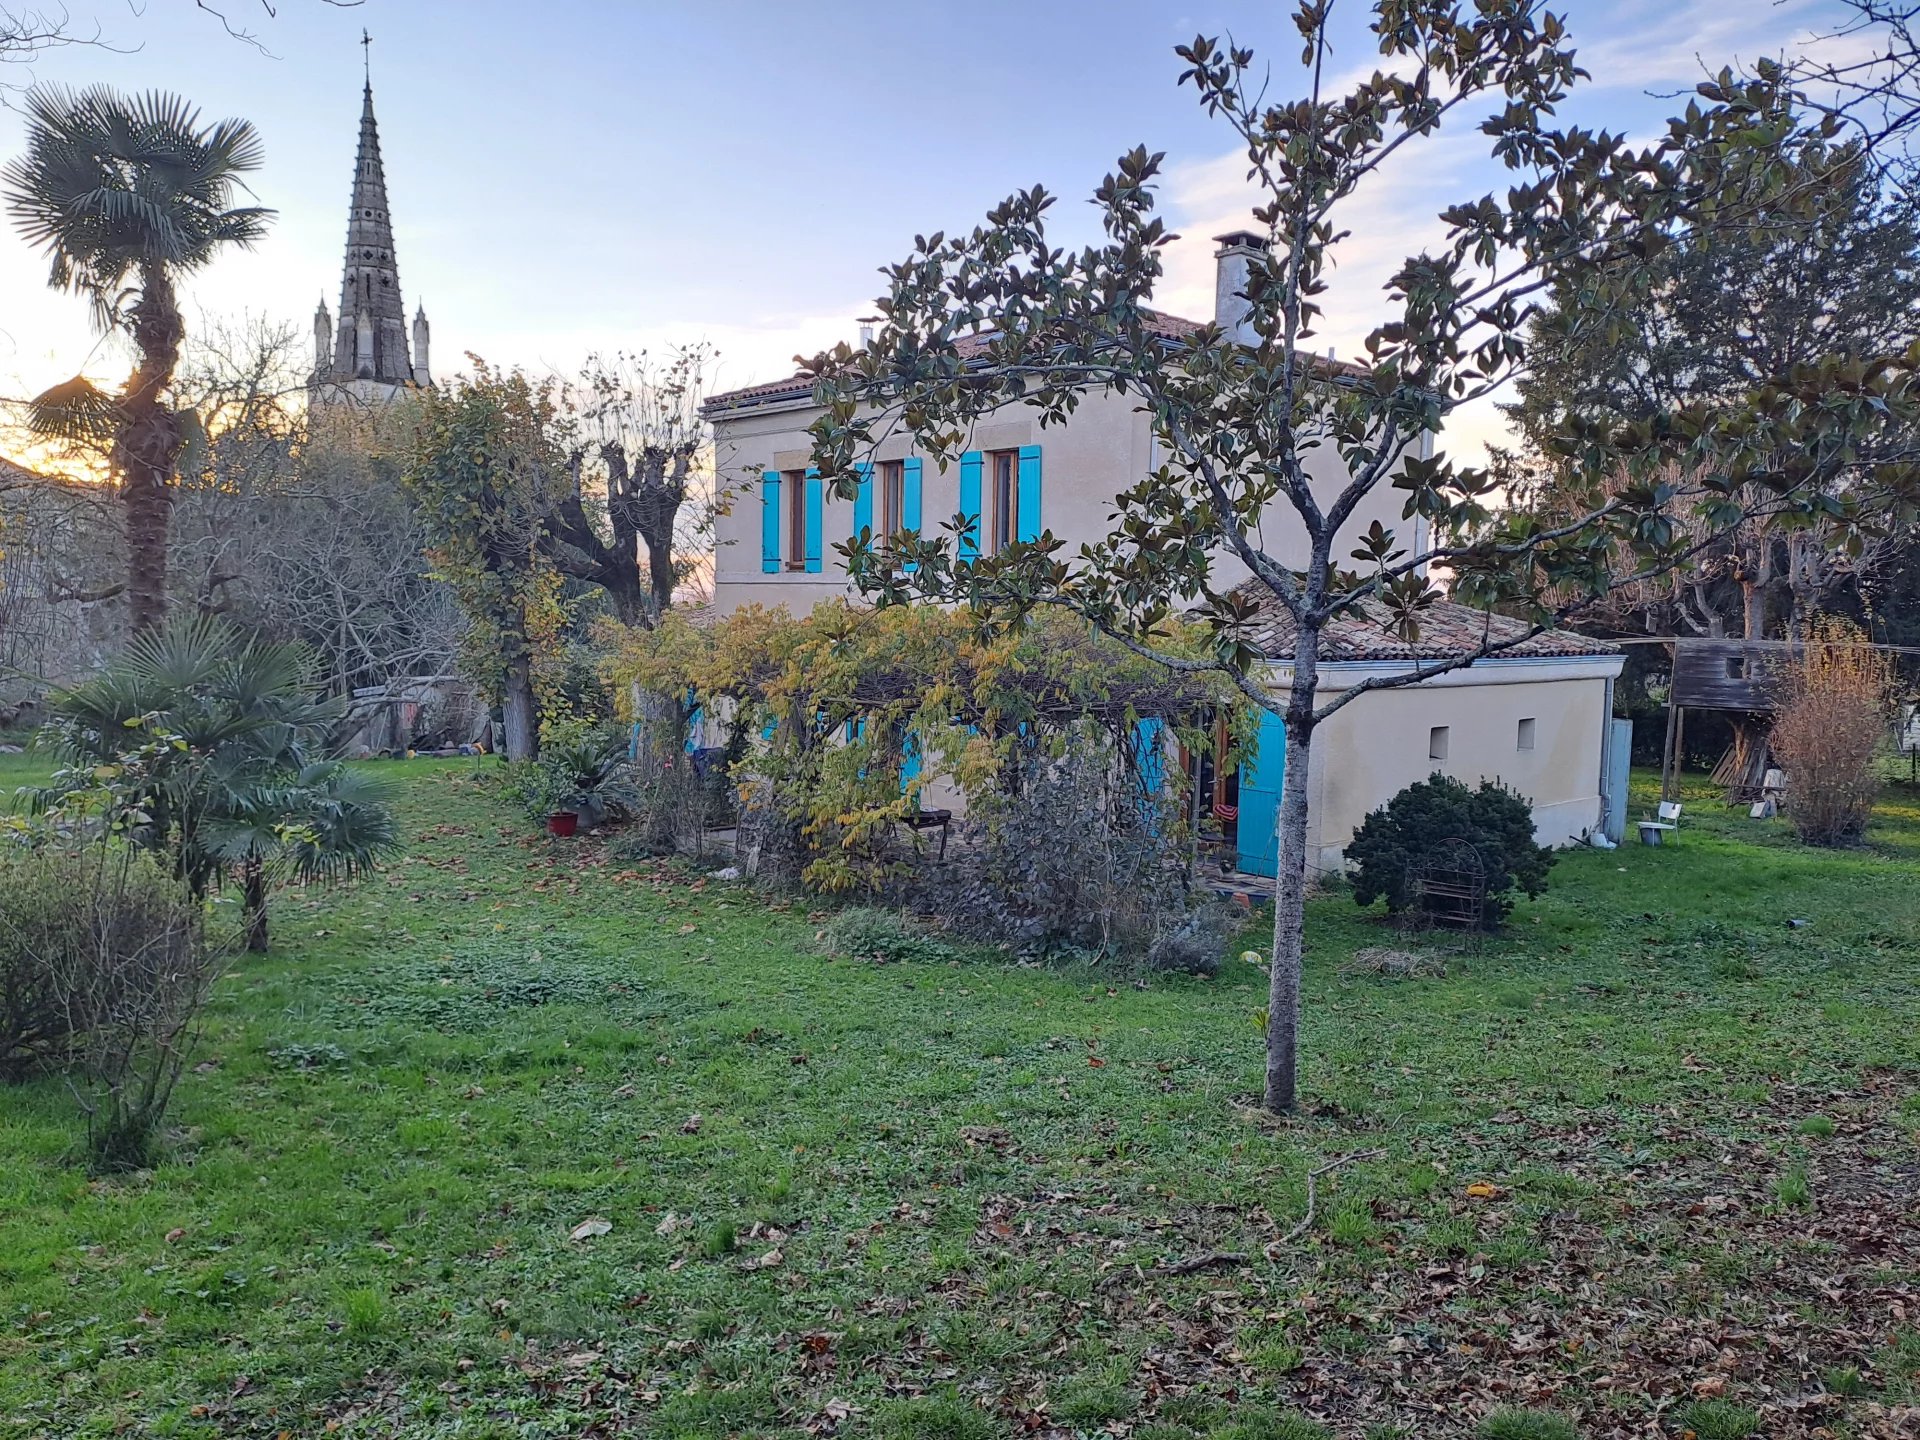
(909, 761)
(863, 500)
(816, 501)
(1149, 745)
(910, 498)
(910, 494)
(770, 521)
(1029, 492)
(972, 464)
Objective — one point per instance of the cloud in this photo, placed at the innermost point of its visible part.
(1394, 214)
(1662, 46)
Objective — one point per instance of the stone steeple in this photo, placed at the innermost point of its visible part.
(370, 358)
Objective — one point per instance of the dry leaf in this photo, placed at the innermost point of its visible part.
(1481, 1190)
(589, 1227)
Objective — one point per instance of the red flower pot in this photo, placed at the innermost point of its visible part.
(563, 823)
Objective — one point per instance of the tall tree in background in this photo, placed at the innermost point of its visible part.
(485, 475)
(1831, 270)
(1238, 415)
(292, 522)
(127, 194)
(639, 445)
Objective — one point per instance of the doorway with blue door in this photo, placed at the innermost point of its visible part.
(1257, 837)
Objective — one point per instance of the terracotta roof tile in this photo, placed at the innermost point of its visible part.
(1446, 630)
(795, 387)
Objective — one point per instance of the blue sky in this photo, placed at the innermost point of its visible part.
(576, 176)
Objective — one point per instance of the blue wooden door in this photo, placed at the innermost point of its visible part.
(1260, 777)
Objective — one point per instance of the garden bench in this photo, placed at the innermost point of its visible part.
(941, 820)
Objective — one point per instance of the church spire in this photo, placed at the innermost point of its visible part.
(371, 342)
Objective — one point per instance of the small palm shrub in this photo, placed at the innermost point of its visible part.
(1418, 827)
(204, 746)
(583, 766)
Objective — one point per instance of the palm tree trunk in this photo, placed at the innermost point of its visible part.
(255, 881)
(148, 445)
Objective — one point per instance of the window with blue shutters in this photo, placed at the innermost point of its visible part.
(1003, 500)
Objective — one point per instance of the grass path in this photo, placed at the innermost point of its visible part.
(1658, 1144)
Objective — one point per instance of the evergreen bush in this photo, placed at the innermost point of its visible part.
(1415, 829)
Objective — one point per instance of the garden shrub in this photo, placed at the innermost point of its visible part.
(867, 933)
(1829, 731)
(1414, 828)
(1076, 856)
(582, 767)
(104, 969)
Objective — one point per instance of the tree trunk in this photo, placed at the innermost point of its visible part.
(517, 707)
(1290, 885)
(660, 573)
(255, 882)
(148, 445)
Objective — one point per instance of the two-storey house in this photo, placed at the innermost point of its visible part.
(1536, 717)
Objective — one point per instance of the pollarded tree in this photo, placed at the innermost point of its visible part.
(640, 445)
(127, 194)
(1239, 413)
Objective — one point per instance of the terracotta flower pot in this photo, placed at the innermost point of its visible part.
(562, 823)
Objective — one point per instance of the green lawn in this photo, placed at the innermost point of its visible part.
(1656, 1144)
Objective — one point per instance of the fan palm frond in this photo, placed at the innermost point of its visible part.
(75, 409)
(109, 184)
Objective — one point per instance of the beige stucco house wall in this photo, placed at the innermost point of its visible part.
(1371, 749)
(1103, 448)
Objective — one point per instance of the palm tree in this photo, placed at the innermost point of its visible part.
(126, 194)
(330, 825)
(214, 742)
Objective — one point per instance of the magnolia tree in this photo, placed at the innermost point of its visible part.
(1003, 317)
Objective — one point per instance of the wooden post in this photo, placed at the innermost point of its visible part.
(1669, 754)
